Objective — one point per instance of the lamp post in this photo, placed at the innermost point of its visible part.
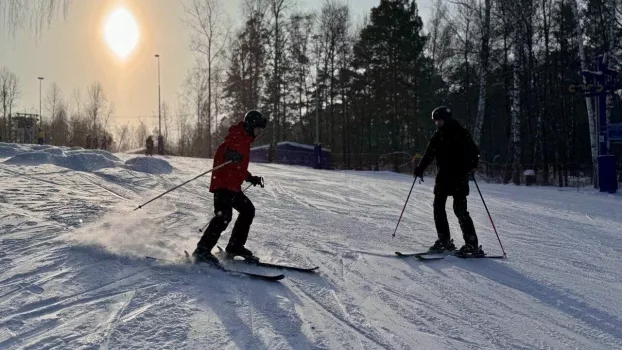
(317, 94)
(40, 116)
(159, 105)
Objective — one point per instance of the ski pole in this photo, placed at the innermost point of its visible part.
(490, 217)
(178, 186)
(400, 219)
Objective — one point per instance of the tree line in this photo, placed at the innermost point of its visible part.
(75, 120)
(365, 89)
(503, 66)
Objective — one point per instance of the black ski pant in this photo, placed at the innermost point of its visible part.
(460, 209)
(224, 203)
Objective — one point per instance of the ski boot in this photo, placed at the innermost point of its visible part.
(441, 246)
(206, 256)
(233, 251)
(470, 250)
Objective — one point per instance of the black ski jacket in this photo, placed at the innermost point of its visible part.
(456, 154)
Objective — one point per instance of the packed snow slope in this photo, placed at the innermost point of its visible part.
(73, 273)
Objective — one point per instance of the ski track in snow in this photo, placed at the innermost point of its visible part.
(73, 273)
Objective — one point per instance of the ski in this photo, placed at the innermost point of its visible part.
(479, 256)
(425, 255)
(418, 254)
(442, 255)
(237, 273)
(257, 262)
(188, 259)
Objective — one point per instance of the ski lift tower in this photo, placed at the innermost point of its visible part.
(24, 127)
(604, 83)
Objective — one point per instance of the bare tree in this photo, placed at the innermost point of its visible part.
(36, 14)
(123, 137)
(277, 9)
(10, 92)
(97, 105)
(166, 118)
(333, 22)
(53, 99)
(58, 121)
(440, 36)
(210, 31)
(141, 133)
(110, 110)
(75, 104)
(195, 96)
(59, 130)
(300, 31)
(183, 127)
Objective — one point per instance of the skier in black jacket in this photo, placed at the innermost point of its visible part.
(456, 157)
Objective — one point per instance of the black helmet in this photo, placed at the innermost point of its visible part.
(254, 119)
(441, 113)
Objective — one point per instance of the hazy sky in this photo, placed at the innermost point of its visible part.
(73, 53)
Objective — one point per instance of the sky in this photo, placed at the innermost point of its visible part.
(73, 53)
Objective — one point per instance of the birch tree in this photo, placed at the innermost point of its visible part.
(588, 100)
(484, 54)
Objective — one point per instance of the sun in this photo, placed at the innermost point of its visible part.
(121, 32)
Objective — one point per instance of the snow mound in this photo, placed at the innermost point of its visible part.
(149, 165)
(53, 150)
(106, 154)
(31, 158)
(85, 161)
(7, 151)
(12, 145)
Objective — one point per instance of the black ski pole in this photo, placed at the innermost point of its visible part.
(490, 217)
(178, 186)
(400, 219)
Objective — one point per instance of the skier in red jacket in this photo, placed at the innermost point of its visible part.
(227, 188)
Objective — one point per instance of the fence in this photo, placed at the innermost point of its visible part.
(561, 175)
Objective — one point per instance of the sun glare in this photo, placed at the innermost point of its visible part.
(121, 32)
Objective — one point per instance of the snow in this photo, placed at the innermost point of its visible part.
(149, 165)
(78, 159)
(7, 151)
(72, 272)
(83, 161)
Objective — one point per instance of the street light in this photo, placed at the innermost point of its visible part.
(317, 95)
(40, 116)
(159, 105)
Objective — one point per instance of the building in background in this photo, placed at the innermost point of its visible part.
(293, 153)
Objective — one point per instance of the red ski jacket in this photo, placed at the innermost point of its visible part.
(231, 176)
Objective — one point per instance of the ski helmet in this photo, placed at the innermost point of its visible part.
(254, 119)
(441, 113)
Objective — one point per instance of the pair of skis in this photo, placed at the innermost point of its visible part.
(431, 255)
(255, 262)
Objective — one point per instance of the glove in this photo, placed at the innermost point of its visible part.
(233, 156)
(471, 173)
(418, 173)
(255, 180)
